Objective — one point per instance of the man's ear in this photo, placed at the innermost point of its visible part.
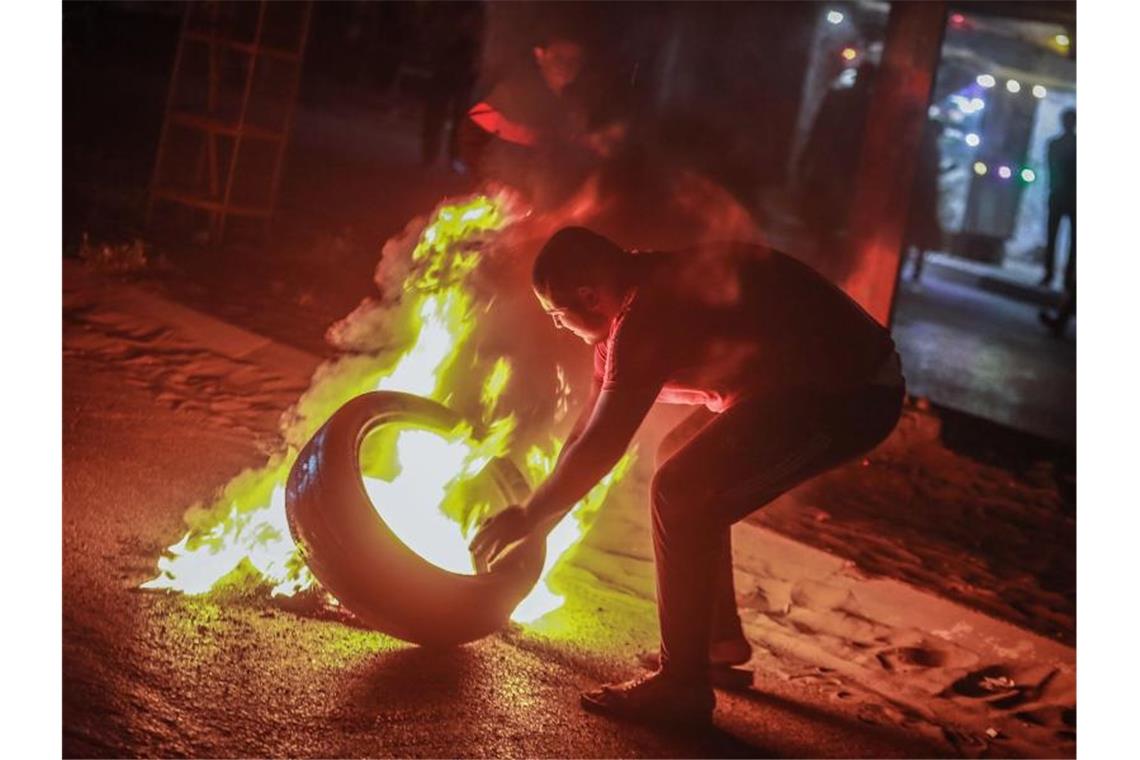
(588, 297)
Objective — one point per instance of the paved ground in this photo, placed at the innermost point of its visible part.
(147, 674)
(986, 354)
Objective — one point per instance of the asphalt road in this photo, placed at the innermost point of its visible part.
(153, 674)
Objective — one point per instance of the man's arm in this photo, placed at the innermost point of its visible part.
(585, 460)
(583, 416)
(492, 120)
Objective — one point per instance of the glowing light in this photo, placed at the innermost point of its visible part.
(418, 480)
(544, 599)
(1005, 172)
(973, 140)
(834, 17)
(957, 19)
(1062, 40)
(980, 168)
(1039, 91)
(1013, 86)
(494, 385)
(410, 503)
(986, 80)
(1028, 175)
(967, 105)
(849, 53)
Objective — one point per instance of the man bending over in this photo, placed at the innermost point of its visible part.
(792, 379)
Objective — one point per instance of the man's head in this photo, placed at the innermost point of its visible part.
(1069, 119)
(581, 279)
(559, 61)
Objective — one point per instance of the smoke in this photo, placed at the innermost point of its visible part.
(651, 165)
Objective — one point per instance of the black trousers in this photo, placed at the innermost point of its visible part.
(732, 464)
(1057, 211)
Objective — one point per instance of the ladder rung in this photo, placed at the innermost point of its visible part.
(244, 47)
(209, 204)
(207, 124)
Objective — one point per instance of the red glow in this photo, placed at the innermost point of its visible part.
(492, 120)
(957, 20)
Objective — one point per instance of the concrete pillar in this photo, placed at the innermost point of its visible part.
(893, 129)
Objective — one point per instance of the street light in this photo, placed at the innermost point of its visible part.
(1039, 91)
(1005, 172)
(986, 80)
(1028, 175)
(973, 140)
(834, 17)
(980, 168)
(1013, 86)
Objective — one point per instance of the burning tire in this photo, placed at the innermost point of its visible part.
(361, 561)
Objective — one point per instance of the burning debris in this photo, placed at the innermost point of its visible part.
(417, 338)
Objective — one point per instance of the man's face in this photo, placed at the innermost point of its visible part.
(560, 63)
(588, 323)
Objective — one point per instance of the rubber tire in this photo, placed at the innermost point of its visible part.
(360, 561)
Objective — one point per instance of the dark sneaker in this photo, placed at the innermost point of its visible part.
(655, 698)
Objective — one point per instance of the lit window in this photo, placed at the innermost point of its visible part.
(1005, 172)
(1013, 86)
(986, 80)
(980, 168)
(835, 17)
(1039, 91)
(973, 140)
(1028, 175)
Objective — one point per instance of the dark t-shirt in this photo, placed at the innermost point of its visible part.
(721, 322)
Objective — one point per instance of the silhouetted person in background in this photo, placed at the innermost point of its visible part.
(537, 128)
(1062, 202)
(830, 157)
(1062, 194)
(451, 33)
(924, 231)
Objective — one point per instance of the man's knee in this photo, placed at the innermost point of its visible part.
(674, 495)
(667, 448)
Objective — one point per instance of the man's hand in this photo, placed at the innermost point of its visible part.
(499, 532)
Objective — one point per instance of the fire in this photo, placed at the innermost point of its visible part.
(568, 533)
(243, 535)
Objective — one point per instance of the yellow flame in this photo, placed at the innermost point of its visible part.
(429, 464)
(444, 324)
(430, 497)
(494, 385)
(562, 394)
(568, 533)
